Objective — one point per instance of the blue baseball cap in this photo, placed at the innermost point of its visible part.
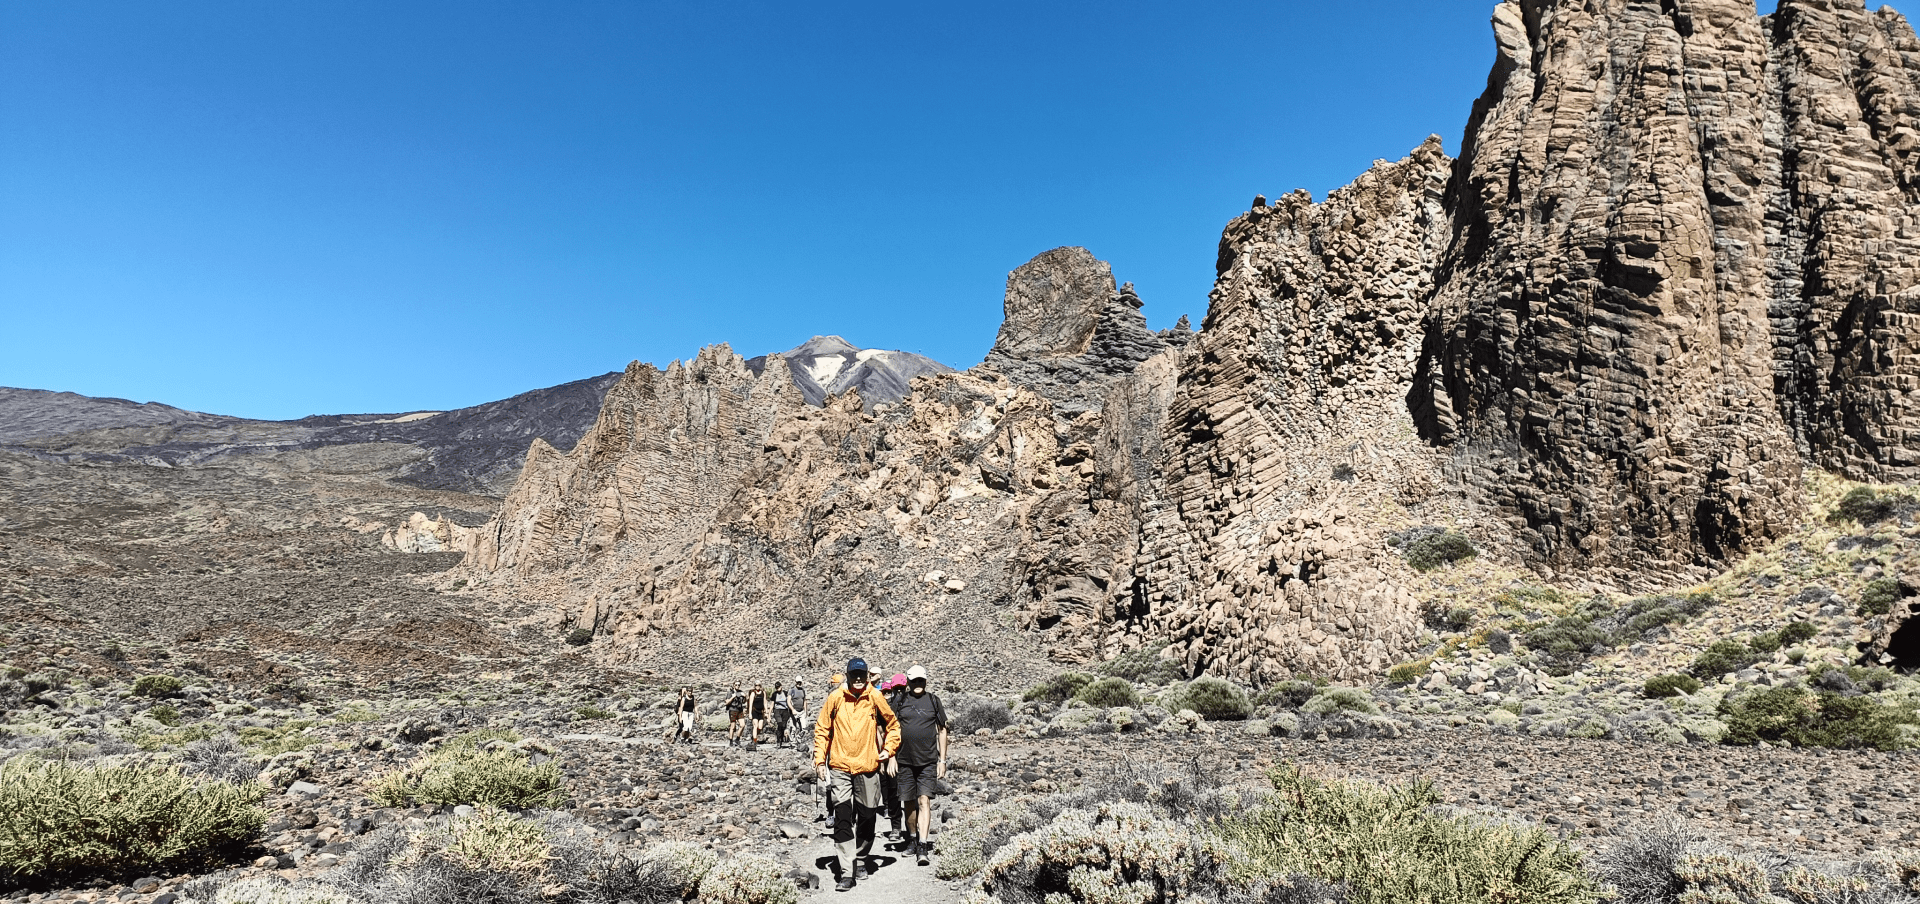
(856, 664)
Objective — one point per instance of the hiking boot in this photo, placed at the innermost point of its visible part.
(845, 884)
(920, 852)
(860, 869)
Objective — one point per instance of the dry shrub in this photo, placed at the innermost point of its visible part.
(64, 821)
(1387, 846)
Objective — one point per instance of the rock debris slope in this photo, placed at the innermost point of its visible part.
(1673, 265)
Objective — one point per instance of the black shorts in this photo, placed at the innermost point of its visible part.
(916, 782)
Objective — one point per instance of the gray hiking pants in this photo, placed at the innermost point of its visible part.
(853, 800)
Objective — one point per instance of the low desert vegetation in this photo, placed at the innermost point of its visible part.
(971, 714)
(157, 686)
(1671, 685)
(1594, 626)
(59, 820)
(473, 769)
(496, 856)
(1794, 715)
(1215, 699)
(1058, 689)
(1183, 837)
(1878, 597)
(1144, 666)
(1108, 692)
(1867, 507)
(1437, 549)
(1665, 863)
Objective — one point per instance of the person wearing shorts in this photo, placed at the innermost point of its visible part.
(736, 714)
(922, 762)
(782, 714)
(756, 714)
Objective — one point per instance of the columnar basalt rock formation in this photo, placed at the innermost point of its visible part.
(1289, 423)
(1674, 263)
(1069, 333)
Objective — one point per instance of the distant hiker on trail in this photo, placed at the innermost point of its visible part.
(782, 714)
(757, 713)
(797, 700)
(922, 763)
(855, 735)
(683, 714)
(736, 713)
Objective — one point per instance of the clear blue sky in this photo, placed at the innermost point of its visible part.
(277, 209)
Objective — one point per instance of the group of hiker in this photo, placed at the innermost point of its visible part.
(874, 748)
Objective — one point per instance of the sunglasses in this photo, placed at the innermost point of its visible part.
(856, 676)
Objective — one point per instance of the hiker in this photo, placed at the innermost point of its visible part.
(757, 713)
(922, 763)
(855, 735)
(782, 713)
(684, 715)
(736, 712)
(892, 687)
(797, 701)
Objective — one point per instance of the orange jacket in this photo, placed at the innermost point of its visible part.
(844, 737)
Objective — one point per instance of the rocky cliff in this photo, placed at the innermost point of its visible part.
(1673, 265)
(1068, 332)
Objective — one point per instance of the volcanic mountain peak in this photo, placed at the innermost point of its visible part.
(829, 365)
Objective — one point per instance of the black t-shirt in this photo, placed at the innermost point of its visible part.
(737, 703)
(759, 706)
(686, 704)
(921, 719)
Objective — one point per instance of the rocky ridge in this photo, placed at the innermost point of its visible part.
(1668, 271)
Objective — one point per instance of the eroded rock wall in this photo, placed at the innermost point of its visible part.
(1288, 442)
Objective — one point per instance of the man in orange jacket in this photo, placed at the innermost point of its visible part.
(855, 734)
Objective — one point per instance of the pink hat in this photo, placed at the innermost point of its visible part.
(898, 680)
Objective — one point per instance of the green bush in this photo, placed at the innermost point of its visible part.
(157, 686)
(1435, 550)
(1878, 597)
(1214, 699)
(1388, 847)
(1863, 505)
(1671, 685)
(164, 714)
(1060, 688)
(1333, 700)
(1408, 672)
(591, 712)
(1803, 718)
(580, 637)
(1144, 666)
(1722, 657)
(64, 821)
(1797, 633)
(1107, 693)
(1568, 640)
(1632, 621)
(1123, 851)
(287, 738)
(464, 772)
(1287, 694)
